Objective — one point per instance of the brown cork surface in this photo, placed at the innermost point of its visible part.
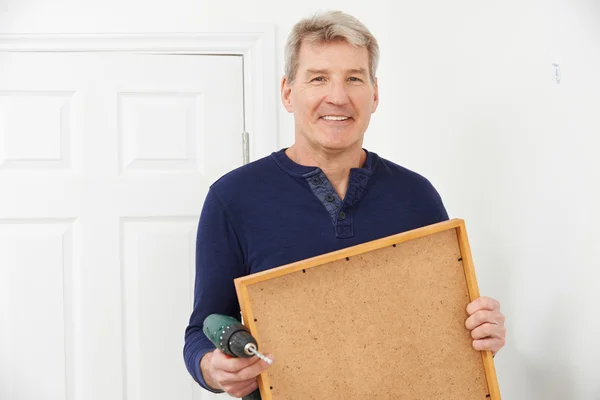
(384, 324)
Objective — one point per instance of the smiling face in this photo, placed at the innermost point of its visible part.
(331, 96)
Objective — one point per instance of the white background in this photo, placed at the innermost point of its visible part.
(469, 99)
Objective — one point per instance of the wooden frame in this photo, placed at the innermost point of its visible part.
(295, 313)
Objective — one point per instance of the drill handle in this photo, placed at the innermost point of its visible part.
(253, 396)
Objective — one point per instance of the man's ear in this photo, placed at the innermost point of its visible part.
(375, 96)
(286, 92)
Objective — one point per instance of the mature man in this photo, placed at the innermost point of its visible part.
(323, 193)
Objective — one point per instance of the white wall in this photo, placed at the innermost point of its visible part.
(468, 98)
(515, 154)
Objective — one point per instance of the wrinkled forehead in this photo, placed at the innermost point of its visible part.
(332, 55)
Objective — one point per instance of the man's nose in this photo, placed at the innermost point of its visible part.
(338, 93)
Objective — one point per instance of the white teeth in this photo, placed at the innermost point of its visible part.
(334, 118)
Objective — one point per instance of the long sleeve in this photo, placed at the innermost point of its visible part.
(219, 261)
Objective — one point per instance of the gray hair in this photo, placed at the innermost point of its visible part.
(329, 27)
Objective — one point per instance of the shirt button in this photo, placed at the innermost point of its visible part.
(342, 215)
(329, 198)
(316, 181)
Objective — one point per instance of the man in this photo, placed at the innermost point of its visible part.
(323, 193)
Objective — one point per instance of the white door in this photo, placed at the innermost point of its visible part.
(105, 160)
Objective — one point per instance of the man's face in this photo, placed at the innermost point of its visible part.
(332, 96)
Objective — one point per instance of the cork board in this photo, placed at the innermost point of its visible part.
(381, 320)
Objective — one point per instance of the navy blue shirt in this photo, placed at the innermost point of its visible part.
(273, 212)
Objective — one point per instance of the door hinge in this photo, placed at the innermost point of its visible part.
(246, 147)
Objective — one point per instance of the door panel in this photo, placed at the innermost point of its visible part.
(105, 159)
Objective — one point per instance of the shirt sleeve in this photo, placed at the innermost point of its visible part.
(219, 260)
(443, 216)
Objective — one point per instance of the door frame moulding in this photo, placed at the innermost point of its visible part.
(254, 43)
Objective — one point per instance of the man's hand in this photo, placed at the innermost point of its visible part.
(236, 376)
(486, 324)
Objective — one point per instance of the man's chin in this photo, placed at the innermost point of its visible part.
(336, 146)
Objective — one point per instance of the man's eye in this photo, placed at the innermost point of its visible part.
(318, 79)
(355, 79)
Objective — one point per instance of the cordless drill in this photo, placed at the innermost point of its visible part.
(233, 339)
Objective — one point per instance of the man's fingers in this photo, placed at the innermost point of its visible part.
(254, 369)
(488, 330)
(484, 316)
(243, 388)
(232, 382)
(483, 303)
(234, 364)
(235, 381)
(490, 344)
(486, 324)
